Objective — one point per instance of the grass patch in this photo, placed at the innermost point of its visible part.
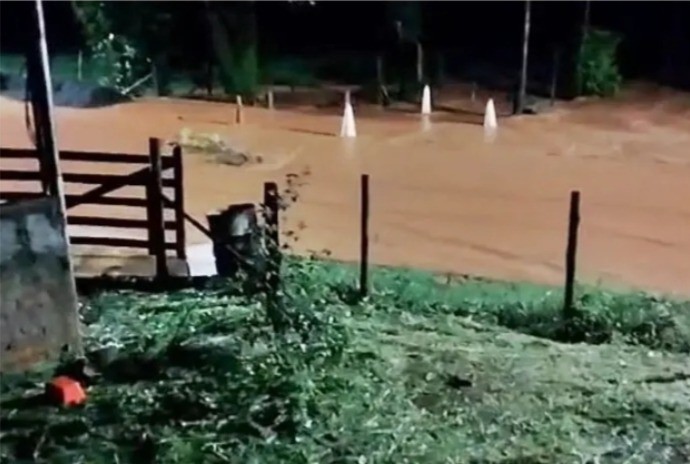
(425, 370)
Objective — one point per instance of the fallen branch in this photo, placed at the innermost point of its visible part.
(137, 83)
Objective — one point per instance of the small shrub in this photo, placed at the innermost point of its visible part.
(119, 60)
(291, 71)
(597, 67)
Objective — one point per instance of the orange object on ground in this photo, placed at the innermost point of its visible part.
(65, 391)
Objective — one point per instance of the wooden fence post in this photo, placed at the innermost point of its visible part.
(270, 99)
(364, 238)
(178, 179)
(80, 61)
(570, 254)
(154, 201)
(239, 108)
(273, 246)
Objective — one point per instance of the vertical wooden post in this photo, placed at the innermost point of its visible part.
(522, 88)
(80, 64)
(209, 48)
(571, 253)
(273, 236)
(420, 64)
(380, 81)
(270, 99)
(41, 87)
(209, 76)
(39, 83)
(238, 110)
(587, 15)
(364, 238)
(178, 179)
(154, 201)
(554, 75)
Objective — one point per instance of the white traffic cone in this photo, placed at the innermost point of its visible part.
(490, 122)
(347, 128)
(426, 101)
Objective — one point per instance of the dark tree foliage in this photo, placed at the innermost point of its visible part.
(183, 34)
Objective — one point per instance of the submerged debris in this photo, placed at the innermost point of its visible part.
(212, 144)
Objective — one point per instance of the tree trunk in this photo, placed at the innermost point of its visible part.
(420, 64)
(209, 51)
(520, 104)
(235, 42)
(583, 37)
(554, 75)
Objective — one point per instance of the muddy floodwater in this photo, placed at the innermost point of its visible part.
(442, 198)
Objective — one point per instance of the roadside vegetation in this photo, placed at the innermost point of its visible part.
(426, 369)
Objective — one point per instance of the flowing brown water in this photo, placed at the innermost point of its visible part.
(441, 197)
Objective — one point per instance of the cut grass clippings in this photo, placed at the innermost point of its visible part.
(422, 371)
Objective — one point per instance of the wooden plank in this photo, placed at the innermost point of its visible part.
(98, 192)
(79, 199)
(13, 174)
(77, 178)
(74, 200)
(103, 178)
(154, 196)
(17, 196)
(178, 177)
(85, 156)
(114, 242)
(121, 223)
(199, 226)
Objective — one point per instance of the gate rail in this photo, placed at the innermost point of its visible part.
(149, 175)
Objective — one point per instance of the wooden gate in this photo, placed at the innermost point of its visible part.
(150, 175)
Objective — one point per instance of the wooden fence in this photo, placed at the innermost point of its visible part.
(148, 175)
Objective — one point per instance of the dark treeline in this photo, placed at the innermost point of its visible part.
(656, 36)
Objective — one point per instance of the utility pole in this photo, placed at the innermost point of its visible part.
(520, 100)
(41, 93)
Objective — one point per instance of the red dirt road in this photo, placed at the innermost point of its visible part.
(443, 199)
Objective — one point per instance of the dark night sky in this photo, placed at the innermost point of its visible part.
(485, 28)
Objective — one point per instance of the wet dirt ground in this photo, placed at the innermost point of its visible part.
(442, 198)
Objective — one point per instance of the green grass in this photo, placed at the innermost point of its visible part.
(423, 371)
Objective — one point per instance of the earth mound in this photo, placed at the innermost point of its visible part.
(67, 93)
